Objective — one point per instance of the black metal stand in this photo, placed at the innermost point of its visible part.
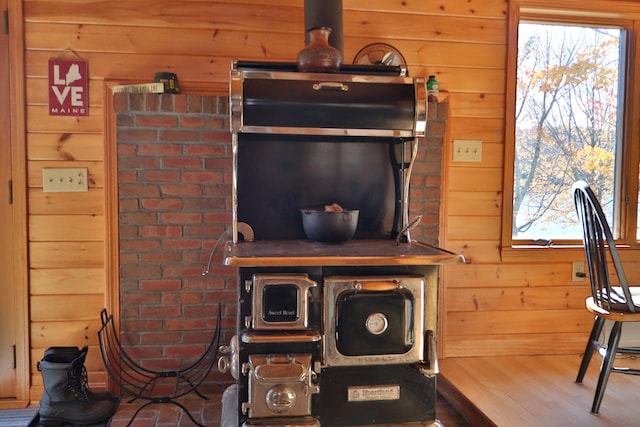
(155, 386)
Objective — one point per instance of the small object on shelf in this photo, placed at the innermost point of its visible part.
(139, 88)
(433, 89)
(319, 56)
(170, 81)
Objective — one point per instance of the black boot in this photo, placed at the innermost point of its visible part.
(67, 355)
(65, 399)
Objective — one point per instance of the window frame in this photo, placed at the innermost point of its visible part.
(614, 13)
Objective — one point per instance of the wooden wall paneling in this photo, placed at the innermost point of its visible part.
(67, 281)
(65, 146)
(463, 178)
(516, 298)
(66, 254)
(482, 128)
(65, 333)
(485, 203)
(66, 307)
(18, 247)
(476, 251)
(511, 275)
(60, 228)
(90, 203)
(473, 227)
(503, 322)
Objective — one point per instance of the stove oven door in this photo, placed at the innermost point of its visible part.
(373, 320)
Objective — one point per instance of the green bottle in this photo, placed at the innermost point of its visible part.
(433, 89)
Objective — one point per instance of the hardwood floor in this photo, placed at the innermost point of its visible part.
(208, 412)
(535, 391)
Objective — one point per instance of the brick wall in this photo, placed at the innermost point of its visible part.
(174, 174)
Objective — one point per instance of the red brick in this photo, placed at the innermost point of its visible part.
(204, 150)
(194, 104)
(161, 231)
(183, 297)
(139, 190)
(135, 299)
(159, 149)
(183, 324)
(160, 285)
(159, 311)
(180, 103)
(181, 189)
(120, 102)
(155, 176)
(182, 163)
(141, 271)
(128, 218)
(201, 176)
(140, 245)
(156, 120)
(181, 244)
(179, 135)
(138, 163)
(172, 203)
(181, 218)
(157, 338)
(160, 257)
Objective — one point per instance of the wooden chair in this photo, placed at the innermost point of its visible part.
(154, 386)
(610, 299)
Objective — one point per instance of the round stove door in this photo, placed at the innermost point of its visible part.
(374, 323)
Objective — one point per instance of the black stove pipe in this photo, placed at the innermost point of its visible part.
(325, 13)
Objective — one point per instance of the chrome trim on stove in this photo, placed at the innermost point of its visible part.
(279, 338)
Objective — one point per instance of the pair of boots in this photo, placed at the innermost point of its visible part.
(67, 398)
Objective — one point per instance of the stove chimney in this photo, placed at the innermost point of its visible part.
(325, 13)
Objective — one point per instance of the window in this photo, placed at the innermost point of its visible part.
(570, 119)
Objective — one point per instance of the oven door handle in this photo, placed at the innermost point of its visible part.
(386, 285)
(331, 86)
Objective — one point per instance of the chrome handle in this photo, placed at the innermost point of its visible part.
(341, 87)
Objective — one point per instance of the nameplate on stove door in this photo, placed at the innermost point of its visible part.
(371, 393)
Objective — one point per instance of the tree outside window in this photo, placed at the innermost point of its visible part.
(568, 125)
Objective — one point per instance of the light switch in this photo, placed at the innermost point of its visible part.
(467, 150)
(64, 180)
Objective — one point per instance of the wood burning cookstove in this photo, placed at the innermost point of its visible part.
(329, 334)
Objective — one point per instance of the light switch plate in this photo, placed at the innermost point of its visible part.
(64, 180)
(467, 150)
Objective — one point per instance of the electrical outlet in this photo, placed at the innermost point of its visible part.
(577, 271)
(64, 180)
(467, 150)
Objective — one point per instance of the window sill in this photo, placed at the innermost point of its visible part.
(533, 254)
(554, 253)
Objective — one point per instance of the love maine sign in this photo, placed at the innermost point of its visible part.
(68, 87)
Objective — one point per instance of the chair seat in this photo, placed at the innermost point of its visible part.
(619, 311)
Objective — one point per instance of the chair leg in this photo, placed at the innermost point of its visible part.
(607, 364)
(598, 324)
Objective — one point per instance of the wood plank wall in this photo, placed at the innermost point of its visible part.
(491, 306)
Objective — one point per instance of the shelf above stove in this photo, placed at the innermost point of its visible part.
(280, 253)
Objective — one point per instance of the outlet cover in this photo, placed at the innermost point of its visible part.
(577, 271)
(64, 180)
(467, 150)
